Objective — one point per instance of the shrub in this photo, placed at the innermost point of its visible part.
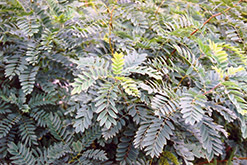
(126, 82)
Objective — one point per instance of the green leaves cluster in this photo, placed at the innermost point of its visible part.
(122, 82)
(117, 63)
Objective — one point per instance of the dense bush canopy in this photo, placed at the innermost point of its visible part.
(123, 81)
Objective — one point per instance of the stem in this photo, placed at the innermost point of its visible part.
(215, 15)
(180, 81)
(150, 163)
(211, 90)
(74, 158)
(156, 12)
(231, 157)
(124, 97)
(110, 28)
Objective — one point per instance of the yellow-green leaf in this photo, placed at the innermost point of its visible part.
(117, 63)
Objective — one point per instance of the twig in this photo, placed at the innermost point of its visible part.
(86, 3)
(110, 28)
(215, 15)
(124, 97)
(180, 82)
(191, 34)
(156, 12)
(211, 90)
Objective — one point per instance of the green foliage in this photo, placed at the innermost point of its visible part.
(168, 155)
(192, 105)
(94, 69)
(117, 63)
(21, 154)
(57, 130)
(122, 82)
(106, 106)
(153, 134)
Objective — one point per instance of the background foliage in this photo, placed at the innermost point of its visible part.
(126, 82)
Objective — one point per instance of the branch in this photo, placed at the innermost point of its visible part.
(215, 15)
(156, 12)
(211, 90)
(110, 28)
